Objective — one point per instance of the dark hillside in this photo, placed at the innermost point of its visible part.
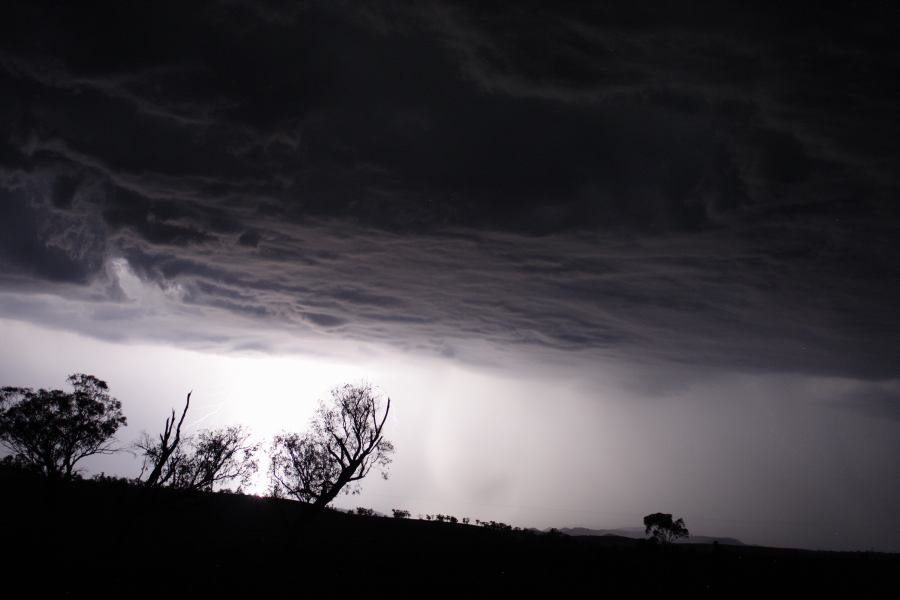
(113, 539)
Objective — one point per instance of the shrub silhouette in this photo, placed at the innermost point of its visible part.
(51, 431)
(400, 514)
(344, 442)
(661, 528)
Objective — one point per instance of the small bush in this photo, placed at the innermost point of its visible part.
(496, 525)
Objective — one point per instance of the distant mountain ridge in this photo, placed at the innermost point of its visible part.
(638, 533)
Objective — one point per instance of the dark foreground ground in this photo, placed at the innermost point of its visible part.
(113, 540)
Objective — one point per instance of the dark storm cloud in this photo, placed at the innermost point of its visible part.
(705, 187)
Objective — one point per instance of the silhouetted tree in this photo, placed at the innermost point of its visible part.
(163, 458)
(660, 527)
(344, 442)
(400, 514)
(214, 456)
(50, 431)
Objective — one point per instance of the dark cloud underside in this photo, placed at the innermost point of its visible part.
(703, 186)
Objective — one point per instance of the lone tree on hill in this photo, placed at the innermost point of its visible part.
(344, 442)
(50, 431)
(661, 528)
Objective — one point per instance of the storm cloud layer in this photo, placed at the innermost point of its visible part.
(692, 186)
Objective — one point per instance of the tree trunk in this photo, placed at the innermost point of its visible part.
(344, 478)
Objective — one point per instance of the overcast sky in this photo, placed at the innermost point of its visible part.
(605, 260)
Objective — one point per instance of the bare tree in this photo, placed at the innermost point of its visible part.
(213, 457)
(51, 431)
(344, 442)
(163, 458)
